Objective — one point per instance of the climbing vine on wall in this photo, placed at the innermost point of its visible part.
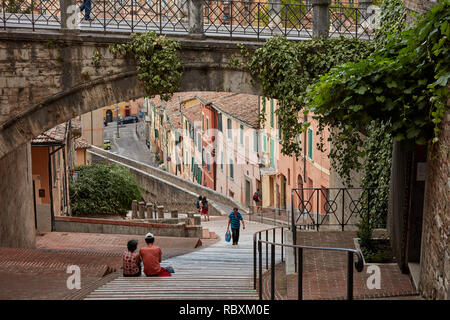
(285, 68)
(404, 82)
(157, 61)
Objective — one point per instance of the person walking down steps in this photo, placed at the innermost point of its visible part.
(234, 220)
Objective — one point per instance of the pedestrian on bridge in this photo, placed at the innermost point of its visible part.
(234, 220)
(86, 6)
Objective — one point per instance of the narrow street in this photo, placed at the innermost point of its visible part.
(128, 144)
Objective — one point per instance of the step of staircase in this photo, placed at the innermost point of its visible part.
(218, 272)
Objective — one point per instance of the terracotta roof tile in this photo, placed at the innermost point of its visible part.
(81, 143)
(54, 135)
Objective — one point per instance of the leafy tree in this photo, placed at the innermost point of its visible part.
(103, 188)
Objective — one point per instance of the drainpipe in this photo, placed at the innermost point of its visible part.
(50, 187)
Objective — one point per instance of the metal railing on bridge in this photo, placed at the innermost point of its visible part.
(215, 18)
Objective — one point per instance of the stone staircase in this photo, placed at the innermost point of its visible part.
(218, 272)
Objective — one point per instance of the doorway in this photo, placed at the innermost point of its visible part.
(109, 116)
(248, 192)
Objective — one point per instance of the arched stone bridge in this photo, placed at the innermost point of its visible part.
(47, 75)
(48, 78)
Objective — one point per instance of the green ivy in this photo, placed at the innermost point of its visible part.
(157, 60)
(404, 82)
(286, 68)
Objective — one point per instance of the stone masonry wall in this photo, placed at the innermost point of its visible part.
(435, 256)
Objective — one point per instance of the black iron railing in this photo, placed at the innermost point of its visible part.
(237, 18)
(331, 207)
(260, 19)
(258, 243)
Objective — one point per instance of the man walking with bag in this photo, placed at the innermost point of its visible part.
(234, 219)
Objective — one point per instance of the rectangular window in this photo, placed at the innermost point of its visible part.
(203, 122)
(207, 126)
(199, 142)
(265, 143)
(231, 169)
(272, 116)
(256, 141)
(192, 164)
(208, 162)
(241, 132)
(221, 160)
(229, 127)
(219, 122)
(272, 154)
(310, 143)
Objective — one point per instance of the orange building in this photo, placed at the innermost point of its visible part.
(51, 165)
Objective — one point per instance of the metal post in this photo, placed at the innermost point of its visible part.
(104, 15)
(282, 242)
(32, 13)
(132, 15)
(300, 273)
(350, 276)
(317, 207)
(254, 262)
(4, 14)
(267, 249)
(272, 274)
(260, 268)
(259, 18)
(160, 17)
(231, 19)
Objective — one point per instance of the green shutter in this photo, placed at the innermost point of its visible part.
(310, 143)
(272, 154)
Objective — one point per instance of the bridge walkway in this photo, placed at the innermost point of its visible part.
(220, 271)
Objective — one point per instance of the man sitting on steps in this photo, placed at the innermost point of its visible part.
(151, 257)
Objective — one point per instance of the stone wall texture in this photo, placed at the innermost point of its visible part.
(49, 77)
(435, 257)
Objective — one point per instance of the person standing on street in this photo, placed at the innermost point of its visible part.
(234, 220)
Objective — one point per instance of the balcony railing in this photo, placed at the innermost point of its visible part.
(212, 18)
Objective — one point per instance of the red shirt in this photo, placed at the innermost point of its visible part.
(130, 262)
(151, 256)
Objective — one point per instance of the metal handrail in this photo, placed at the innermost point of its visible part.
(257, 260)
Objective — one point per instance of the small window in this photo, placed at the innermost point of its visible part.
(208, 162)
(310, 144)
(241, 132)
(231, 169)
(230, 128)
